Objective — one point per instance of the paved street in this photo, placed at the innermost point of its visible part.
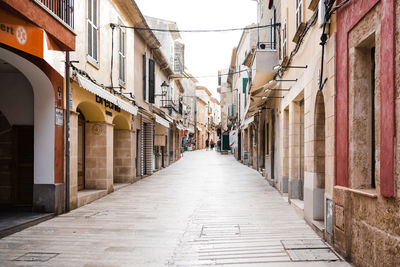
(206, 209)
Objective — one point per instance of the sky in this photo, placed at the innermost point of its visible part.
(205, 53)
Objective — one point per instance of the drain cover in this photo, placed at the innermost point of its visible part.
(312, 255)
(36, 256)
(303, 244)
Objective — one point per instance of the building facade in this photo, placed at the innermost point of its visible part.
(318, 101)
(366, 192)
(32, 34)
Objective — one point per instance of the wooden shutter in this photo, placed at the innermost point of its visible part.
(144, 77)
(151, 80)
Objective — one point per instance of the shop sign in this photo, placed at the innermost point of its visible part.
(107, 104)
(18, 33)
(59, 117)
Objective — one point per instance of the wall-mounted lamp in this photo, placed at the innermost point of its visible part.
(164, 89)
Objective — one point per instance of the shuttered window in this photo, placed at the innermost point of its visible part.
(299, 13)
(92, 29)
(151, 80)
(245, 80)
(122, 55)
(145, 84)
(284, 35)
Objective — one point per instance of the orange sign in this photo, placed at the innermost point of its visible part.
(22, 35)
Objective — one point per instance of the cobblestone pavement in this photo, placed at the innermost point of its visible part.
(206, 209)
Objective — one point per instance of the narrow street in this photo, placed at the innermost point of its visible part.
(206, 209)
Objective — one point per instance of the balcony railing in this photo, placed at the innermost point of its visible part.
(63, 9)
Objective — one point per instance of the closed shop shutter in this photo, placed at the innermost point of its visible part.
(147, 151)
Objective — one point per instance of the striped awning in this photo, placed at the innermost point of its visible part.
(162, 121)
(100, 91)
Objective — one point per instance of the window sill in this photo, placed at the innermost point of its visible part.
(371, 192)
(122, 84)
(92, 62)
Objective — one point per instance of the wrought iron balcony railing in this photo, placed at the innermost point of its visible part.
(63, 9)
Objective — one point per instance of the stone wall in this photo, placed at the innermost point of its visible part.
(99, 156)
(124, 156)
(366, 224)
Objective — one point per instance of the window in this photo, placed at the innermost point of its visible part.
(363, 109)
(151, 80)
(145, 81)
(284, 36)
(299, 13)
(373, 141)
(272, 31)
(122, 55)
(92, 29)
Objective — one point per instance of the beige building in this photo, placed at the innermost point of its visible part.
(126, 104)
(286, 122)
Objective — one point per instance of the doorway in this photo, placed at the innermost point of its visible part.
(81, 151)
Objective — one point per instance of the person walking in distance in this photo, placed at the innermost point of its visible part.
(207, 144)
(212, 144)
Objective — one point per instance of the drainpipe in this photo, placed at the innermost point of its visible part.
(67, 130)
(195, 121)
(256, 140)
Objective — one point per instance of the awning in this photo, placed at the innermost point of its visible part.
(98, 90)
(162, 121)
(248, 121)
(180, 126)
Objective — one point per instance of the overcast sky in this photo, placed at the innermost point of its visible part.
(205, 53)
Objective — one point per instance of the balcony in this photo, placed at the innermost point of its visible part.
(61, 9)
(264, 62)
(55, 17)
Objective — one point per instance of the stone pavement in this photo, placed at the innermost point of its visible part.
(206, 209)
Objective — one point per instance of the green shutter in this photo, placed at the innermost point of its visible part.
(245, 85)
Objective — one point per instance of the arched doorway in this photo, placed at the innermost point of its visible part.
(124, 152)
(88, 145)
(27, 102)
(16, 138)
(319, 157)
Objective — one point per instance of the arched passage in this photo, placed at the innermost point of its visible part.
(43, 115)
(124, 151)
(27, 104)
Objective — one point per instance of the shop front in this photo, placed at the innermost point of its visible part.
(160, 142)
(103, 142)
(31, 113)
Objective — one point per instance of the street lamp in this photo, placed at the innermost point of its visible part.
(164, 88)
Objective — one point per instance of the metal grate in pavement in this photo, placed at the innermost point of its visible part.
(37, 256)
(312, 255)
(308, 250)
(220, 230)
(303, 244)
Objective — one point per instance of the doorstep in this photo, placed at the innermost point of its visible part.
(298, 206)
(15, 221)
(318, 227)
(118, 186)
(87, 196)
